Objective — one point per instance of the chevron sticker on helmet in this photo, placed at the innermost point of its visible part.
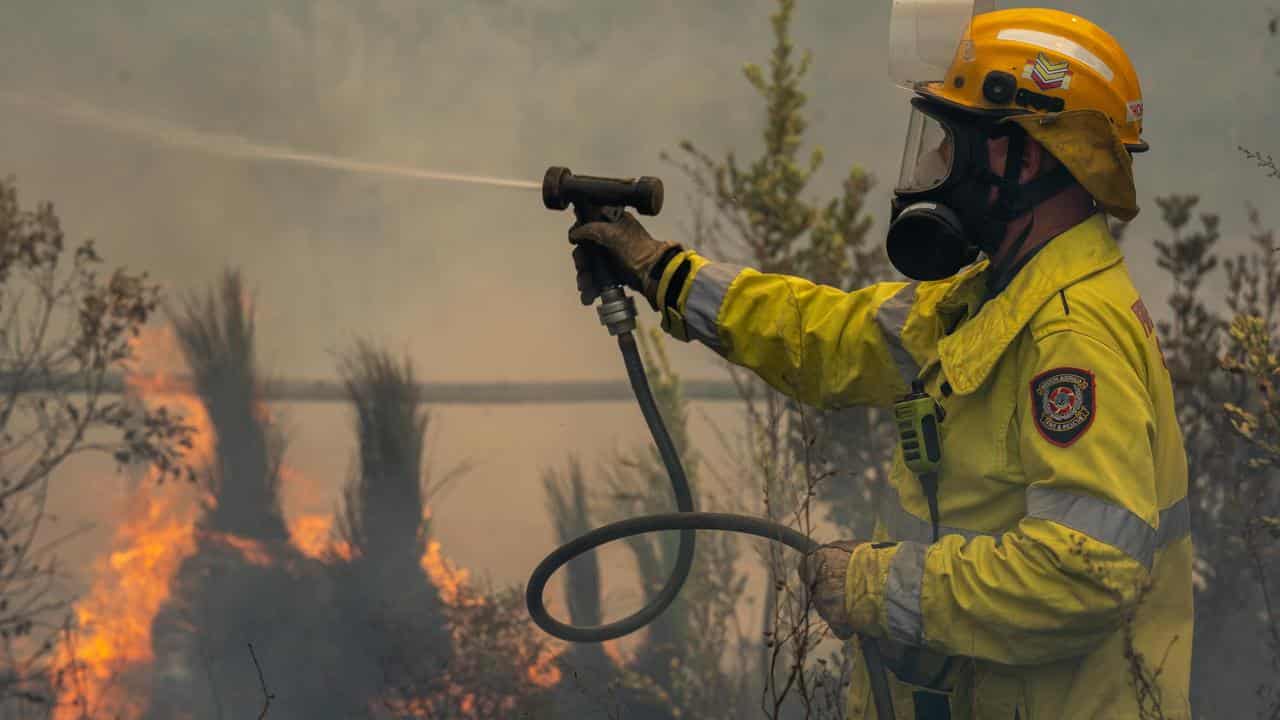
(1048, 74)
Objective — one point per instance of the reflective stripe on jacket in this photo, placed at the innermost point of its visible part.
(1063, 482)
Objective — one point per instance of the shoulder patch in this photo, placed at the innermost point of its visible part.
(1064, 404)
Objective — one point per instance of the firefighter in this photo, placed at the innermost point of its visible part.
(1052, 545)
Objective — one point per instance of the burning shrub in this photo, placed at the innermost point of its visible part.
(244, 581)
(441, 647)
(216, 334)
(393, 614)
(63, 329)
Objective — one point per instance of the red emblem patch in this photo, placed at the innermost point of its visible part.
(1064, 404)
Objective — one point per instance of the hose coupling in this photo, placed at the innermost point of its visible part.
(617, 311)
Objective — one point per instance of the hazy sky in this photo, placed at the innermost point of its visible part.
(474, 283)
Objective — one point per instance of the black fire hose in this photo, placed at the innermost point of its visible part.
(686, 521)
(597, 198)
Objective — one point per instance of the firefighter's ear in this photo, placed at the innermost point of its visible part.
(1035, 161)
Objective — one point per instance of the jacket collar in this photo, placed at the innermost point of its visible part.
(969, 354)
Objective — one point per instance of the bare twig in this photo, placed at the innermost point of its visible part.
(267, 696)
(1264, 161)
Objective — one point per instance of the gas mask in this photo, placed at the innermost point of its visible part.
(942, 213)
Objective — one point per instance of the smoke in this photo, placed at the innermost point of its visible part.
(498, 89)
(474, 283)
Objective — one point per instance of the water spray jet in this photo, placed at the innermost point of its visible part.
(233, 146)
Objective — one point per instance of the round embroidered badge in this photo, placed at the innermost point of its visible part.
(1063, 399)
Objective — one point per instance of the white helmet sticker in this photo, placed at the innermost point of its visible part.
(1060, 45)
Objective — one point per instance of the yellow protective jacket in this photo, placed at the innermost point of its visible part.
(1063, 487)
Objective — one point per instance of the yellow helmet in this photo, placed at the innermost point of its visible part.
(1041, 61)
(1066, 81)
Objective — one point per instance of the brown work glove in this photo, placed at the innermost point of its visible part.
(823, 573)
(631, 249)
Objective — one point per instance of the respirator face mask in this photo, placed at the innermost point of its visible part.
(940, 218)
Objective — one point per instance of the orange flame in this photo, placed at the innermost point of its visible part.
(112, 635)
(253, 551)
(310, 530)
(113, 624)
(312, 535)
(545, 672)
(453, 584)
(450, 580)
(151, 377)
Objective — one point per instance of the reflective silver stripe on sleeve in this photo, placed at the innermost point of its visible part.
(892, 317)
(1101, 520)
(902, 594)
(1175, 524)
(901, 525)
(702, 306)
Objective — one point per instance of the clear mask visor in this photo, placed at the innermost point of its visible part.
(928, 158)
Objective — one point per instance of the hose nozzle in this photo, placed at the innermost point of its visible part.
(560, 187)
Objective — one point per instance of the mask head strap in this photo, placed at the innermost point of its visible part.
(1014, 199)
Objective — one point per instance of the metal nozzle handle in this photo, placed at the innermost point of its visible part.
(560, 188)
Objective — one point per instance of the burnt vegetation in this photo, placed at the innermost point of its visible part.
(361, 630)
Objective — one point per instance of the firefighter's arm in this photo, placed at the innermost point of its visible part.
(818, 344)
(1055, 585)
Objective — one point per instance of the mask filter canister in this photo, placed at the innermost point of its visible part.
(927, 241)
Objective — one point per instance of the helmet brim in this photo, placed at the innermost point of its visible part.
(929, 93)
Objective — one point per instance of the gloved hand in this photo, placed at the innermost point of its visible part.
(630, 247)
(830, 577)
(824, 572)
